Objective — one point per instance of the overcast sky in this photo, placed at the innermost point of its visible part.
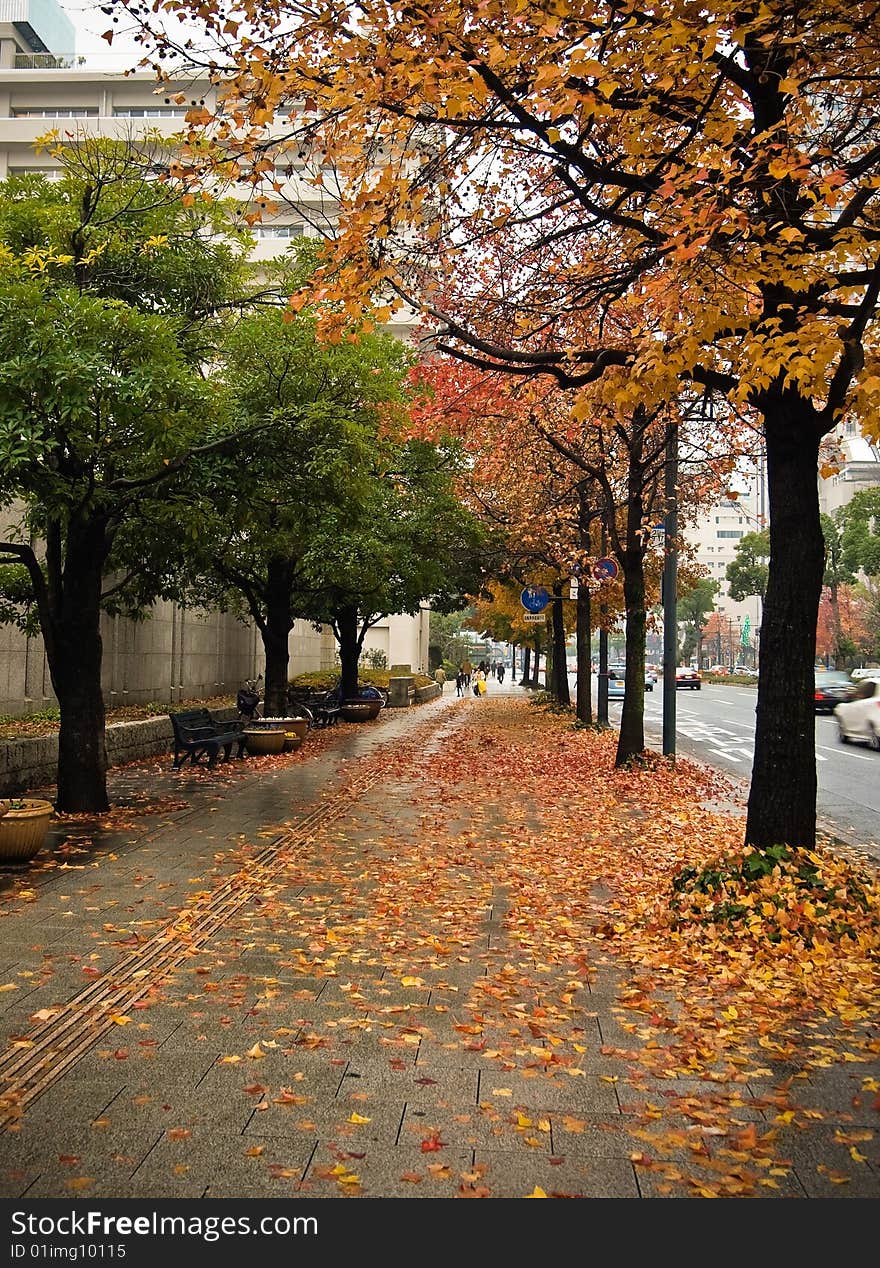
(91, 24)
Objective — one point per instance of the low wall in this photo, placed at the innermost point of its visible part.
(428, 693)
(33, 763)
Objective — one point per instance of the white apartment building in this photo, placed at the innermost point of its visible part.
(177, 654)
(714, 538)
(859, 468)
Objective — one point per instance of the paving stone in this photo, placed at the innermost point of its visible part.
(517, 1175)
(75, 1163)
(403, 1171)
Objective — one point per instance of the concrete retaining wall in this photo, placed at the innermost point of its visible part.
(33, 763)
(428, 693)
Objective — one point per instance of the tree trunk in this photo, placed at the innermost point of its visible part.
(536, 667)
(349, 650)
(584, 697)
(75, 667)
(276, 634)
(782, 798)
(631, 741)
(527, 666)
(560, 662)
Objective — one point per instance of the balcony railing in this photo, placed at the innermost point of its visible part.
(45, 61)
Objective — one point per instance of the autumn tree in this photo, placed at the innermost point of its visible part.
(508, 167)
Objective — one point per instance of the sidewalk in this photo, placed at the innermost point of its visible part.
(405, 962)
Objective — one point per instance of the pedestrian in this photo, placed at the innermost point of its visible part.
(467, 669)
(480, 682)
(499, 673)
(440, 676)
(460, 682)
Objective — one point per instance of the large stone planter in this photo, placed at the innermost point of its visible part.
(360, 710)
(294, 730)
(23, 828)
(262, 740)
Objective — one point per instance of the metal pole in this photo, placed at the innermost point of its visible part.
(602, 693)
(670, 584)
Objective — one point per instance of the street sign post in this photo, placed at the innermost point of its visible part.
(534, 617)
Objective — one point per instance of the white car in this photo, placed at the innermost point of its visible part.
(859, 675)
(858, 719)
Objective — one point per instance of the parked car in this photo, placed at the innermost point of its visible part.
(833, 687)
(687, 678)
(717, 669)
(858, 719)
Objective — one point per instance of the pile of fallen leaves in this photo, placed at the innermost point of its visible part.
(794, 899)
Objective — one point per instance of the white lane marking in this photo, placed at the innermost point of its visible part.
(841, 752)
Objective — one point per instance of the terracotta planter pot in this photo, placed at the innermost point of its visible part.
(263, 741)
(23, 832)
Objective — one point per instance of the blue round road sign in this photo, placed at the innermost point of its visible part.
(605, 569)
(534, 598)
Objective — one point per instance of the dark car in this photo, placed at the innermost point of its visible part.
(832, 688)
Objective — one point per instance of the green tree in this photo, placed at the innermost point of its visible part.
(107, 284)
(837, 574)
(693, 606)
(446, 634)
(747, 573)
(325, 406)
(860, 533)
(411, 541)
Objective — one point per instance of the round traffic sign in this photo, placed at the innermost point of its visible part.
(605, 569)
(534, 598)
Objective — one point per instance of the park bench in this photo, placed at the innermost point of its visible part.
(198, 734)
(320, 707)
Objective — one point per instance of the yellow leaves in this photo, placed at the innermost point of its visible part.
(357, 1118)
(855, 1155)
(256, 1052)
(537, 1192)
(412, 981)
(119, 1019)
(343, 1175)
(9, 986)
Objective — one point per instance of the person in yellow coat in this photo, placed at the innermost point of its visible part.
(480, 682)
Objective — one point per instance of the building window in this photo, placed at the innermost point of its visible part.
(50, 173)
(56, 112)
(729, 532)
(277, 231)
(149, 112)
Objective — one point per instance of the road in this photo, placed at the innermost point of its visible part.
(717, 725)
